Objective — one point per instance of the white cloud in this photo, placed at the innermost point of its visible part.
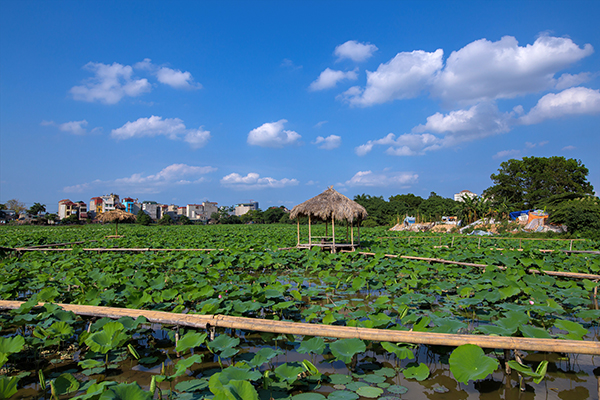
(481, 71)
(172, 128)
(254, 181)
(573, 101)
(329, 143)
(74, 127)
(172, 77)
(403, 77)
(479, 121)
(176, 79)
(456, 127)
(329, 78)
(566, 81)
(355, 51)
(383, 179)
(506, 154)
(287, 63)
(569, 148)
(110, 84)
(484, 70)
(530, 145)
(175, 174)
(320, 124)
(272, 134)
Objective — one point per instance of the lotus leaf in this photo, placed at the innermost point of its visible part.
(11, 345)
(418, 372)
(66, 383)
(8, 386)
(289, 372)
(124, 391)
(190, 340)
(401, 352)
(533, 332)
(576, 331)
(233, 390)
(315, 345)
(309, 396)
(183, 365)
(369, 391)
(537, 375)
(109, 338)
(345, 349)
(469, 363)
(342, 395)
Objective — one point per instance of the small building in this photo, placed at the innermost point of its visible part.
(153, 209)
(463, 194)
(66, 208)
(131, 205)
(243, 208)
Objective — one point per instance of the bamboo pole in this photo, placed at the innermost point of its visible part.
(309, 232)
(334, 331)
(298, 224)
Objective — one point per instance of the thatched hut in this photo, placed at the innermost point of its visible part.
(329, 206)
(116, 216)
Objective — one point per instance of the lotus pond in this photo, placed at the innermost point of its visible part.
(46, 352)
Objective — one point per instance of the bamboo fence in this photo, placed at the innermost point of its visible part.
(332, 331)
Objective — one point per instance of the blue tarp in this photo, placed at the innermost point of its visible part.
(409, 220)
(516, 214)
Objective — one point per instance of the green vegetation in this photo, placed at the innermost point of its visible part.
(38, 343)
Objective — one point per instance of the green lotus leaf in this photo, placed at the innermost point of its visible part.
(309, 396)
(537, 375)
(183, 365)
(233, 390)
(264, 355)
(223, 342)
(387, 372)
(8, 386)
(345, 349)
(315, 345)
(11, 345)
(397, 389)
(533, 332)
(124, 391)
(109, 338)
(288, 372)
(238, 374)
(339, 379)
(342, 395)
(576, 331)
(193, 385)
(66, 383)
(60, 329)
(369, 391)
(469, 363)
(419, 372)
(401, 352)
(190, 340)
(373, 378)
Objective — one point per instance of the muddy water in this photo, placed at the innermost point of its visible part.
(569, 377)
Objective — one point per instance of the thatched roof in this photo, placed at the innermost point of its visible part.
(330, 203)
(116, 215)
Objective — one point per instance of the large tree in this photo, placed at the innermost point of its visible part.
(37, 208)
(15, 205)
(525, 183)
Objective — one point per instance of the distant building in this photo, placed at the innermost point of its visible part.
(464, 193)
(131, 205)
(243, 208)
(66, 208)
(101, 204)
(153, 209)
(201, 212)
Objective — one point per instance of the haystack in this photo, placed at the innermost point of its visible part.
(116, 216)
(329, 206)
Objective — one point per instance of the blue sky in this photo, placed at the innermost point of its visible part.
(181, 102)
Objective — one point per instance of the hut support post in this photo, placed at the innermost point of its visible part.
(298, 225)
(346, 231)
(309, 233)
(326, 228)
(352, 234)
(333, 231)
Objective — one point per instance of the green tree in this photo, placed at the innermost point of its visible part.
(37, 208)
(143, 218)
(255, 216)
(165, 220)
(71, 219)
(524, 183)
(273, 215)
(184, 220)
(580, 215)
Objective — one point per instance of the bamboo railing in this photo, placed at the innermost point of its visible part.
(332, 331)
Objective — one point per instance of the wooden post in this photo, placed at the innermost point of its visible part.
(298, 224)
(326, 227)
(571, 245)
(346, 231)
(309, 232)
(479, 243)
(358, 226)
(452, 245)
(333, 231)
(352, 233)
